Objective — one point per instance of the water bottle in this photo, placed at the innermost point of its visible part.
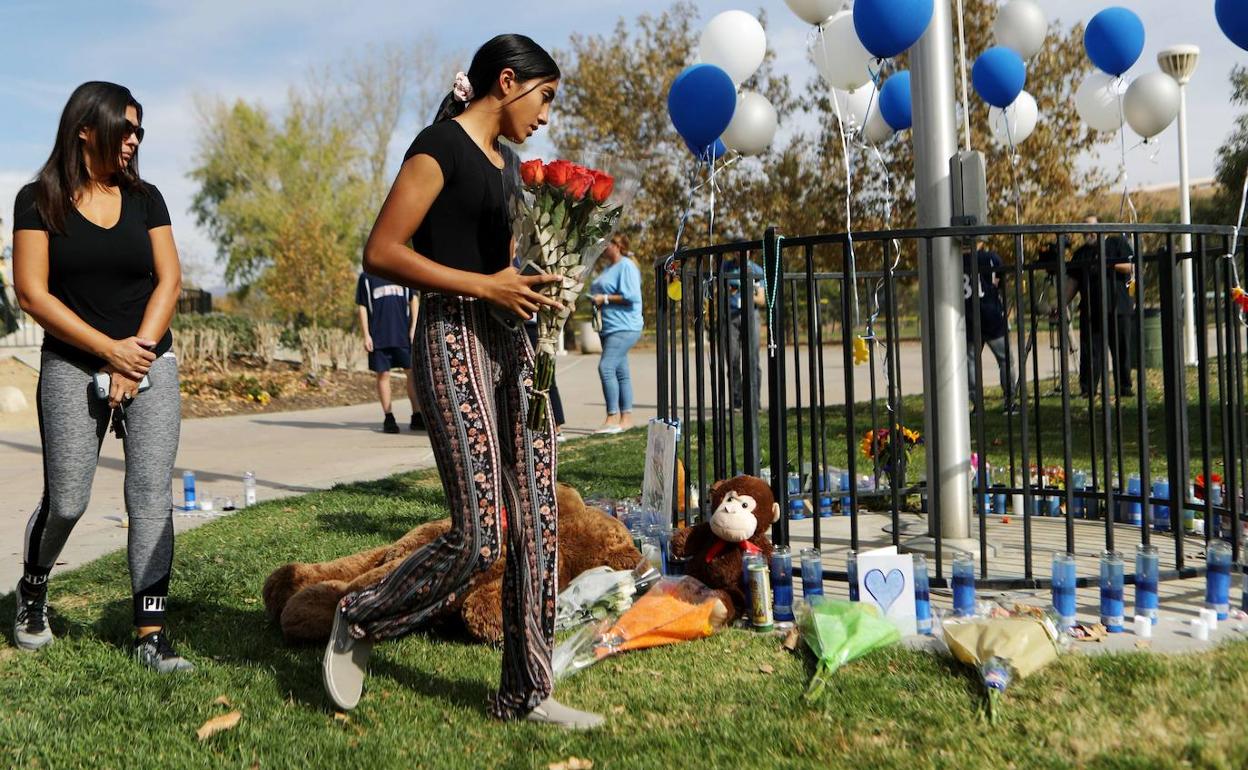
(922, 596)
(188, 491)
(1147, 568)
(964, 585)
(249, 489)
(1111, 591)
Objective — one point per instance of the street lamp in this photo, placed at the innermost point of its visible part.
(1179, 62)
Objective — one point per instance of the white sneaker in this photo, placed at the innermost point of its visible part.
(608, 430)
(30, 624)
(345, 664)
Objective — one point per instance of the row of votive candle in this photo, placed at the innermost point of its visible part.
(1147, 576)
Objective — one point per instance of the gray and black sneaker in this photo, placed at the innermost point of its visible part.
(30, 627)
(389, 425)
(156, 652)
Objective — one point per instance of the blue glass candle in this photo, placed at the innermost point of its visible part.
(1078, 482)
(1134, 508)
(797, 508)
(999, 502)
(1218, 578)
(1064, 584)
(922, 595)
(1161, 513)
(1147, 569)
(1055, 502)
(812, 574)
(782, 583)
(1111, 591)
(847, 504)
(851, 568)
(964, 585)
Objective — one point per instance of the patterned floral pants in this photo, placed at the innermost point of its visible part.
(472, 377)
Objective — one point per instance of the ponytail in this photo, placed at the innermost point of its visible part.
(515, 52)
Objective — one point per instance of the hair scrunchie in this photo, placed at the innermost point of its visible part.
(463, 88)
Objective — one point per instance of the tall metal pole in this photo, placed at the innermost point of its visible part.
(1179, 62)
(944, 382)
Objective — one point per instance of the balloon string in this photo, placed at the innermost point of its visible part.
(876, 307)
(849, 185)
(684, 217)
(966, 109)
(1122, 142)
(1239, 224)
(1018, 191)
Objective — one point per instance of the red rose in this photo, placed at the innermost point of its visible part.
(558, 173)
(532, 173)
(579, 185)
(603, 185)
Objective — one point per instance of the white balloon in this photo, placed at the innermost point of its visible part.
(1022, 117)
(735, 42)
(1097, 101)
(753, 125)
(854, 105)
(877, 129)
(814, 11)
(1151, 104)
(839, 55)
(1021, 27)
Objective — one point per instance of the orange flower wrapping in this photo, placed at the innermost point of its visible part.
(532, 173)
(659, 619)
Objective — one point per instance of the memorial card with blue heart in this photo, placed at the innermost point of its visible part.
(886, 579)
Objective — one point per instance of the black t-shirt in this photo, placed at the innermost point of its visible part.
(467, 227)
(106, 276)
(1085, 268)
(991, 308)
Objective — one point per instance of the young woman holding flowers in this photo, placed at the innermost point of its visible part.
(444, 229)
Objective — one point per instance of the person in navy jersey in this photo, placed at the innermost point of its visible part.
(388, 321)
(994, 330)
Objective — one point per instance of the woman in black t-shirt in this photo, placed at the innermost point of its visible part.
(473, 366)
(95, 264)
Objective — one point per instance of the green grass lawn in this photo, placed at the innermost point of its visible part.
(730, 701)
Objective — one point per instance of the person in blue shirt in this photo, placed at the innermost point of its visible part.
(616, 293)
(736, 343)
(388, 322)
(994, 330)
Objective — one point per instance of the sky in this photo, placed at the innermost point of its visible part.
(169, 52)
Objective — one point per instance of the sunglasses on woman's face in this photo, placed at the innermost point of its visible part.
(132, 130)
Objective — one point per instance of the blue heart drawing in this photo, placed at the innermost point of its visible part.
(885, 590)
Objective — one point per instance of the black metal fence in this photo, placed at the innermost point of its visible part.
(1128, 444)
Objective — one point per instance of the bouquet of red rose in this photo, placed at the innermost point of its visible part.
(561, 222)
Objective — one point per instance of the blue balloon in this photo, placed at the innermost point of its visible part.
(999, 76)
(1233, 19)
(709, 152)
(895, 101)
(888, 27)
(1114, 40)
(701, 103)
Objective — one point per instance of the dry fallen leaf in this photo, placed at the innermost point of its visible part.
(790, 641)
(572, 763)
(218, 724)
(767, 668)
(341, 717)
(617, 709)
(222, 701)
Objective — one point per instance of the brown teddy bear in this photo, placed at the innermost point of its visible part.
(744, 510)
(302, 597)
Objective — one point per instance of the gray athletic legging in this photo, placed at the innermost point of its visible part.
(73, 423)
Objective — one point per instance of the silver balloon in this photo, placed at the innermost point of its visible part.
(1021, 27)
(877, 130)
(1096, 101)
(814, 11)
(735, 42)
(839, 55)
(1016, 122)
(753, 125)
(1151, 104)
